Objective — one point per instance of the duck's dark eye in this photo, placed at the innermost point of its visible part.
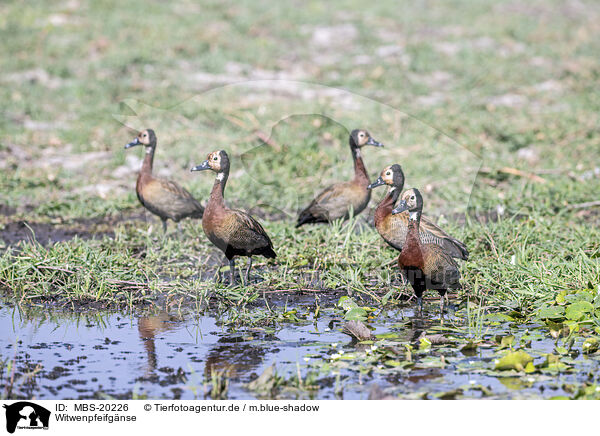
(145, 135)
(388, 173)
(215, 158)
(412, 197)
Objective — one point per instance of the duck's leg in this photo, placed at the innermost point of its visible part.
(248, 270)
(164, 223)
(442, 300)
(419, 288)
(232, 271)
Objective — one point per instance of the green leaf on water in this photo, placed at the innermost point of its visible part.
(424, 344)
(505, 341)
(580, 296)
(554, 362)
(349, 356)
(356, 314)
(561, 350)
(290, 315)
(551, 312)
(530, 367)
(516, 360)
(578, 310)
(387, 335)
(499, 317)
(347, 303)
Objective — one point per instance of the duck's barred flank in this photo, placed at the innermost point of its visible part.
(341, 199)
(393, 228)
(162, 197)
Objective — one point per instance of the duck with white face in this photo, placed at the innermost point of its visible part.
(162, 197)
(233, 231)
(426, 266)
(393, 228)
(343, 199)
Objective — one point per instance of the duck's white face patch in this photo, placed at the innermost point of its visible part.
(220, 176)
(413, 215)
(148, 150)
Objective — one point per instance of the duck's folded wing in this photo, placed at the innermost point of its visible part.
(331, 202)
(248, 231)
(431, 233)
(440, 267)
(176, 197)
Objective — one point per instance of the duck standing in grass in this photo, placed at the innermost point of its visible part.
(338, 200)
(393, 228)
(425, 265)
(162, 197)
(233, 231)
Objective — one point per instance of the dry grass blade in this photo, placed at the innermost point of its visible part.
(515, 172)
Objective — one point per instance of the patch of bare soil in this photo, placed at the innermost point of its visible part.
(47, 233)
(7, 210)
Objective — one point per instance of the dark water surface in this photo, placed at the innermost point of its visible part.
(160, 354)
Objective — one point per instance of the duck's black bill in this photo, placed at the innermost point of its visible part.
(203, 166)
(374, 143)
(402, 206)
(376, 183)
(133, 143)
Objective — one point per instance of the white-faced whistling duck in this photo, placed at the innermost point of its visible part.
(393, 228)
(162, 197)
(426, 266)
(234, 232)
(337, 200)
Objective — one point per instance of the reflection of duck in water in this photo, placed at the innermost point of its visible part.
(233, 357)
(148, 328)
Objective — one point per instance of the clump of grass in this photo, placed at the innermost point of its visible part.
(216, 384)
(76, 272)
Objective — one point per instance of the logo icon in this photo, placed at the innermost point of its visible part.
(26, 415)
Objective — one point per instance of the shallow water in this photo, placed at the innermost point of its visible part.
(172, 355)
(161, 355)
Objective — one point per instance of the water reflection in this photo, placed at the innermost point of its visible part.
(93, 354)
(151, 326)
(234, 360)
